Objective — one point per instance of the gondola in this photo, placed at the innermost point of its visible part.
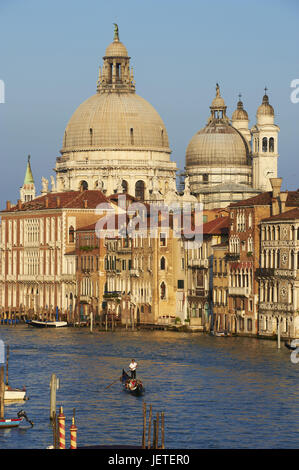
(133, 386)
(289, 346)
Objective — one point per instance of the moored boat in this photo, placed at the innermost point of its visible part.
(289, 346)
(220, 333)
(14, 394)
(133, 386)
(47, 324)
(14, 422)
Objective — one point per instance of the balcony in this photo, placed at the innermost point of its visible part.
(232, 256)
(275, 306)
(242, 291)
(274, 272)
(199, 263)
(198, 292)
(264, 272)
(134, 272)
(112, 295)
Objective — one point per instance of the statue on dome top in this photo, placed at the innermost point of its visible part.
(116, 37)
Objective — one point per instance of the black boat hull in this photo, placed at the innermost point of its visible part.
(138, 389)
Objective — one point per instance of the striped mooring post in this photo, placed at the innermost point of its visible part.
(73, 430)
(61, 426)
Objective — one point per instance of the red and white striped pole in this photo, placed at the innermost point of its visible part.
(61, 426)
(73, 430)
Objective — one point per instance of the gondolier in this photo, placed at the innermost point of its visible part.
(133, 367)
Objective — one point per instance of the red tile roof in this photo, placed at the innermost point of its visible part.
(289, 215)
(217, 226)
(265, 199)
(66, 199)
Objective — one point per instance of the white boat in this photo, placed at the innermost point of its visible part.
(47, 324)
(14, 394)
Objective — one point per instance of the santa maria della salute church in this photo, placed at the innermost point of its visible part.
(116, 142)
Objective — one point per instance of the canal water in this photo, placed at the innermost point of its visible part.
(216, 392)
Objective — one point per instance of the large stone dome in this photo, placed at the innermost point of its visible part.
(218, 144)
(115, 121)
(115, 140)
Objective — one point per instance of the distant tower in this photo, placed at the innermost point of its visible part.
(264, 146)
(27, 191)
(240, 121)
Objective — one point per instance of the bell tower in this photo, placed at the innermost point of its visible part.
(27, 191)
(264, 146)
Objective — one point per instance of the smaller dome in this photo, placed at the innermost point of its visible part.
(240, 114)
(116, 49)
(265, 109)
(217, 144)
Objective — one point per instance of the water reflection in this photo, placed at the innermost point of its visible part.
(215, 392)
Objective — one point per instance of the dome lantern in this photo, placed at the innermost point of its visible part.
(218, 108)
(116, 74)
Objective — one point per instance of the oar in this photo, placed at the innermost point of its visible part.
(112, 383)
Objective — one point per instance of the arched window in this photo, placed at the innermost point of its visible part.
(71, 234)
(271, 144)
(162, 137)
(139, 189)
(163, 291)
(265, 144)
(90, 136)
(162, 263)
(124, 186)
(132, 136)
(84, 185)
(205, 178)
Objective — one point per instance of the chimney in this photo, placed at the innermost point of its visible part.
(46, 202)
(85, 203)
(58, 201)
(19, 204)
(283, 198)
(8, 205)
(276, 185)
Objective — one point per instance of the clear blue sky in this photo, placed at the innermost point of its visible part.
(51, 51)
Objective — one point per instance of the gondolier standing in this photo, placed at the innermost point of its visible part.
(133, 367)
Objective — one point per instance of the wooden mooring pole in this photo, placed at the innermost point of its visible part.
(144, 426)
(146, 443)
(278, 334)
(2, 389)
(54, 385)
(54, 425)
(7, 356)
